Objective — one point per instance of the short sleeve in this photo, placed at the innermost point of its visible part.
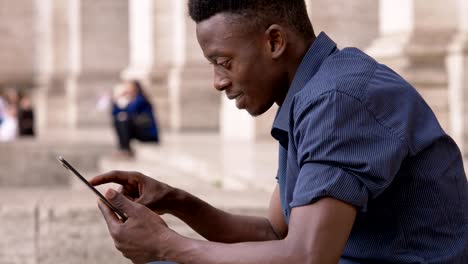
(342, 151)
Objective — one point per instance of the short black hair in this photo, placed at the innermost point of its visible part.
(259, 13)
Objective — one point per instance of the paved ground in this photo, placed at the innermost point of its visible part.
(53, 224)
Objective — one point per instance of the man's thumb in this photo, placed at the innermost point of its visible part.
(120, 201)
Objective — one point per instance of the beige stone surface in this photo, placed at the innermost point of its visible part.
(195, 104)
(53, 109)
(18, 232)
(33, 163)
(351, 23)
(237, 165)
(17, 41)
(71, 230)
(64, 225)
(264, 123)
(99, 51)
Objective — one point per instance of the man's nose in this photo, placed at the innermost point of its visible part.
(221, 83)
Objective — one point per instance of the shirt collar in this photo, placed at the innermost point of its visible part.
(320, 49)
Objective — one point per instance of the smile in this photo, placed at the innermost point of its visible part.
(235, 96)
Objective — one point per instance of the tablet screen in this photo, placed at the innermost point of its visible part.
(77, 174)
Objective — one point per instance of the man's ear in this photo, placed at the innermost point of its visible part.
(277, 39)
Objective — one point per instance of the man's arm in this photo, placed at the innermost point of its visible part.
(213, 224)
(220, 226)
(317, 234)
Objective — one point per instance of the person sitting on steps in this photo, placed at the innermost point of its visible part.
(133, 117)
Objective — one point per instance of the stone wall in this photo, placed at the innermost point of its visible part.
(350, 23)
(17, 42)
(84, 45)
(99, 52)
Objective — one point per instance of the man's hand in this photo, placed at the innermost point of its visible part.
(143, 237)
(142, 189)
(205, 219)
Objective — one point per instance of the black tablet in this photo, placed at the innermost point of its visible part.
(69, 167)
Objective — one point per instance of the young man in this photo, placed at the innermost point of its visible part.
(366, 174)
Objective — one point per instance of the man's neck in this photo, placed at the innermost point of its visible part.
(297, 53)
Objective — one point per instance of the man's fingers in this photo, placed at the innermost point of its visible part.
(121, 202)
(110, 217)
(119, 177)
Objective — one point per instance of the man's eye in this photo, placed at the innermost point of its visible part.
(224, 63)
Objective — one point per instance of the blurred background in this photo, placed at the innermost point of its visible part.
(62, 67)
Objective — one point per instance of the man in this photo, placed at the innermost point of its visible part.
(366, 174)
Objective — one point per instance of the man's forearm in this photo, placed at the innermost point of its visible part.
(185, 250)
(317, 233)
(219, 226)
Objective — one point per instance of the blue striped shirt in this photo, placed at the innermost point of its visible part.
(352, 129)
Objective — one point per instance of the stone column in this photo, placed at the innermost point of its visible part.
(17, 42)
(414, 39)
(195, 104)
(43, 65)
(99, 46)
(166, 57)
(151, 50)
(53, 65)
(457, 63)
(237, 125)
(351, 23)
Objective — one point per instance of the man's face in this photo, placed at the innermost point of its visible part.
(242, 62)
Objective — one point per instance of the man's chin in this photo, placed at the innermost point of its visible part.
(255, 112)
(252, 114)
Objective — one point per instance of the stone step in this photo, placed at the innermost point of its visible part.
(159, 171)
(58, 225)
(231, 165)
(32, 162)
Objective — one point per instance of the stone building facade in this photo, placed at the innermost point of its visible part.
(71, 52)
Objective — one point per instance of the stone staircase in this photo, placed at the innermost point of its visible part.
(230, 165)
(61, 223)
(32, 161)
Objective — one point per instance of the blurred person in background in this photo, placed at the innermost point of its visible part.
(133, 117)
(12, 96)
(2, 108)
(9, 126)
(25, 116)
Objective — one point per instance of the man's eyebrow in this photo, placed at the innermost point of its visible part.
(214, 54)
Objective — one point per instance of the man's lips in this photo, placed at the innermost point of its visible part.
(231, 97)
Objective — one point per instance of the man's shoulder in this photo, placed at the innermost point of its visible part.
(348, 68)
(347, 71)
(362, 81)
(349, 60)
